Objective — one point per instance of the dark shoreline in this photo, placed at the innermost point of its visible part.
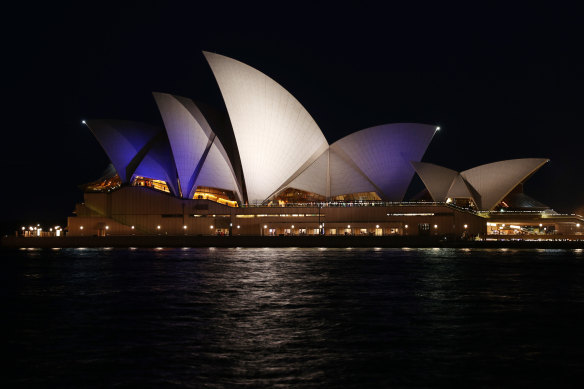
(274, 241)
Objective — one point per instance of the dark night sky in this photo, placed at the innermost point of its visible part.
(501, 82)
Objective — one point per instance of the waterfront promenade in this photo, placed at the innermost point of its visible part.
(277, 241)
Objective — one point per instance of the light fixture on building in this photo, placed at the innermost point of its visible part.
(377, 226)
(406, 226)
(578, 225)
(80, 227)
(211, 227)
(107, 227)
(435, 225)
(265, 226)
(157, 227)
(184, 227)
(292, 225)
(132, 227)
(466, 226)
(238, 226)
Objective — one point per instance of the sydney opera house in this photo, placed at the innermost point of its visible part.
(268, 170)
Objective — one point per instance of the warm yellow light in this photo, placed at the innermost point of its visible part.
(211, 227)
(107, 227)
(185, 227)
(238, 227)
(265, 226)
(158, 227)
(80, 227)
(435, 225)
(377, 226)
(406, 226)
(132, 227)
(577, 224)
(541, 225)
(466, 226)
(292, 226)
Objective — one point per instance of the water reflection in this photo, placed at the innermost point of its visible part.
(293, 317)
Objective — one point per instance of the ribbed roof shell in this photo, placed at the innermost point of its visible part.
(275, 135)
(487, 184)
(383, 154)
(200, 157)
(437, 179)
(122, 140)
(495, 180)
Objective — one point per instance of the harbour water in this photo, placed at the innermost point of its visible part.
(265, 317)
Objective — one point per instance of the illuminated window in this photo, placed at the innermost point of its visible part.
(292, 195)
(104, 184)
(150, 183)
(361, 196)
(220, 196)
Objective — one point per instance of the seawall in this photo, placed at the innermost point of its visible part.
(273, 241)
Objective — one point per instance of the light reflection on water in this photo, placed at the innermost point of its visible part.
(294, 317)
